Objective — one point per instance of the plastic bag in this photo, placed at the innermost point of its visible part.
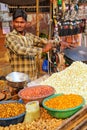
(32, 111)
(45, 65)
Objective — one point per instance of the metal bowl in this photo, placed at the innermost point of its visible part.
(17, 79)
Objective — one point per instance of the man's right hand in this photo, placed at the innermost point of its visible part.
(65, 45)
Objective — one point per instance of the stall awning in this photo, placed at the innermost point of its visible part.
(20, 2)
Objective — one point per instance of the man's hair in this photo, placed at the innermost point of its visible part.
(19, 13)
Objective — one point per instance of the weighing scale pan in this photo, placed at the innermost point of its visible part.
(76, 54)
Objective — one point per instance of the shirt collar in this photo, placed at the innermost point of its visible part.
(15, 32)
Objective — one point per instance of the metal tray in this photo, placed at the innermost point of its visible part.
(76, 54)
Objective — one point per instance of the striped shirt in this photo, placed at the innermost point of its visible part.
(23, 52)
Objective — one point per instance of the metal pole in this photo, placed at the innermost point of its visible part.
(50, 24)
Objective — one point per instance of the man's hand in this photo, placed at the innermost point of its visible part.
(65, 45)
(47, 47)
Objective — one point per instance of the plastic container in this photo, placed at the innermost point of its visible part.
(36, 93)
(32, 111)
(64, 113)
(11, 120)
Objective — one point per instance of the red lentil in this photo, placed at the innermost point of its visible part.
(38, 91)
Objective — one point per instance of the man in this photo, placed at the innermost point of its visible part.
(23, 47)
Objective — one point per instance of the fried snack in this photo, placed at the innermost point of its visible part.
(11, 109)
(2, 96)
(73, 79)
(45, 122)
(2, 85)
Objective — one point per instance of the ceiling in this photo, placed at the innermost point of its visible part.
(20, 2)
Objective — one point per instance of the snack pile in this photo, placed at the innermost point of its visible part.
(71, 80)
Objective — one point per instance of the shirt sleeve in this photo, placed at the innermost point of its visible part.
(18, 48)
(38, 41)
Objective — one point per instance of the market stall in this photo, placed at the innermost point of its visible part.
(72, 80)
(33, 105)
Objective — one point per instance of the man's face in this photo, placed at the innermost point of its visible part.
(19, 24)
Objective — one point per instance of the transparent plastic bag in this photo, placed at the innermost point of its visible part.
(32, 111)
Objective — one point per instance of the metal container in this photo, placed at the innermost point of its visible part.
(76, 54)
(17, 79)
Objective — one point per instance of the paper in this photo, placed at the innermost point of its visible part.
(5, 27)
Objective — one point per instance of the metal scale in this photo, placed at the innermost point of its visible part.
(71, 55)
(76, 54)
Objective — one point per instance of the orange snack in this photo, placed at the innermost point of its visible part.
(64, 101)
(8, 110)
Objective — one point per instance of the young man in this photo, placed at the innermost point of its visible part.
(23, 47)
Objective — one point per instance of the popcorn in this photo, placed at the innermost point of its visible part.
(71, 80)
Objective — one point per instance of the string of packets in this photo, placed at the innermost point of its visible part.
(71, 27)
